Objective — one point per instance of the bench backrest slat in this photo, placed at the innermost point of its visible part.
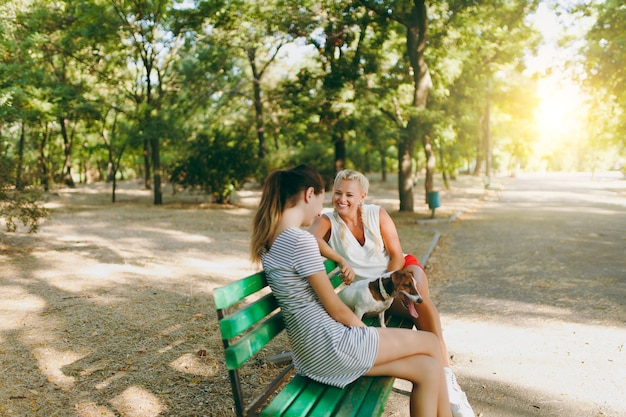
(246, 347)
(236, 291)
(237, 323)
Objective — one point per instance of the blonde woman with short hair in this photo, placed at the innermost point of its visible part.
(363, 240)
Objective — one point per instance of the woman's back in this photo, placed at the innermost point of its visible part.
(324, 349)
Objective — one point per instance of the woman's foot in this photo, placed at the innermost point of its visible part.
(458, 400)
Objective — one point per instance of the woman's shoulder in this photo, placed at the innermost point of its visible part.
(373, 209)
(372, 206)
(324, 221)
(293, 233)
(292, 239)
(299, 235)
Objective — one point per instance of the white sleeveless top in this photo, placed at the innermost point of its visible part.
(368, 261)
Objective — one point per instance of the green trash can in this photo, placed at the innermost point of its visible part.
(432, 198)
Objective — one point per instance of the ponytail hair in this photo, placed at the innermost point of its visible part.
(281, 190)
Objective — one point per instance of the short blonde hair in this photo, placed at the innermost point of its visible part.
(351, 175)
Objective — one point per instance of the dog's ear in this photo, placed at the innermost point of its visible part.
(414, 280)
(405, 282)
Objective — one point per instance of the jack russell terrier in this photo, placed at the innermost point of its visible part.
(375, 296)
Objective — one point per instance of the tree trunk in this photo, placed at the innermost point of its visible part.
(430, 166)
(479, 156)
(422, 84)
(67, 152)
(383, 165)
(405, 177)
(488, 132)
(340, 153)
(156, 165)
(258, 104)
(155, 157)
(481, 147)
(444, 170)
(147, 171)
(20, 158)
(416, 23)
(43, 164)
(113, 188)
(260, 124)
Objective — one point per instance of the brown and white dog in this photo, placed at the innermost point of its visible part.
(375, 296)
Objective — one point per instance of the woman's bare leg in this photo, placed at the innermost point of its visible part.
(430, 321)
(428, 316)
(415, 357)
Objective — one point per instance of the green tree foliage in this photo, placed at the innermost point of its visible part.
(18, 206)
(216, 163)
(109, 89)
(478, 55)
(605, 64)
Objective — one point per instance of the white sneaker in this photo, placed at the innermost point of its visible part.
(458, 400)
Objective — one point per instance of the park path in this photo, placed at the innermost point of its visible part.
(104, 310)
(531, 286)
(530, 283)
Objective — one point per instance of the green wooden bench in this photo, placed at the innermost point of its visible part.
(246, 327)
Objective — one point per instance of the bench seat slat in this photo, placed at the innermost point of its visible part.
(379, 389)
(328, 402)
(354, 395)
(285, 397)
(306, 399)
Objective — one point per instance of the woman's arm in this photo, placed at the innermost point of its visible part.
(321, 230)
(331, 301)
(391, 240)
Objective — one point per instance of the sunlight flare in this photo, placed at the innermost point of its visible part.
(560, 109)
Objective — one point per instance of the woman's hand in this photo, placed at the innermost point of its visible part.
(347, 273)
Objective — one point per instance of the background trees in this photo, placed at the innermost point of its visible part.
(96, 90)
(605, 71)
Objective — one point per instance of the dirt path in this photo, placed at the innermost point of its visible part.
(532, 292)
(108, 310)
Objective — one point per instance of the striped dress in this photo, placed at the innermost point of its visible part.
(323, 349)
